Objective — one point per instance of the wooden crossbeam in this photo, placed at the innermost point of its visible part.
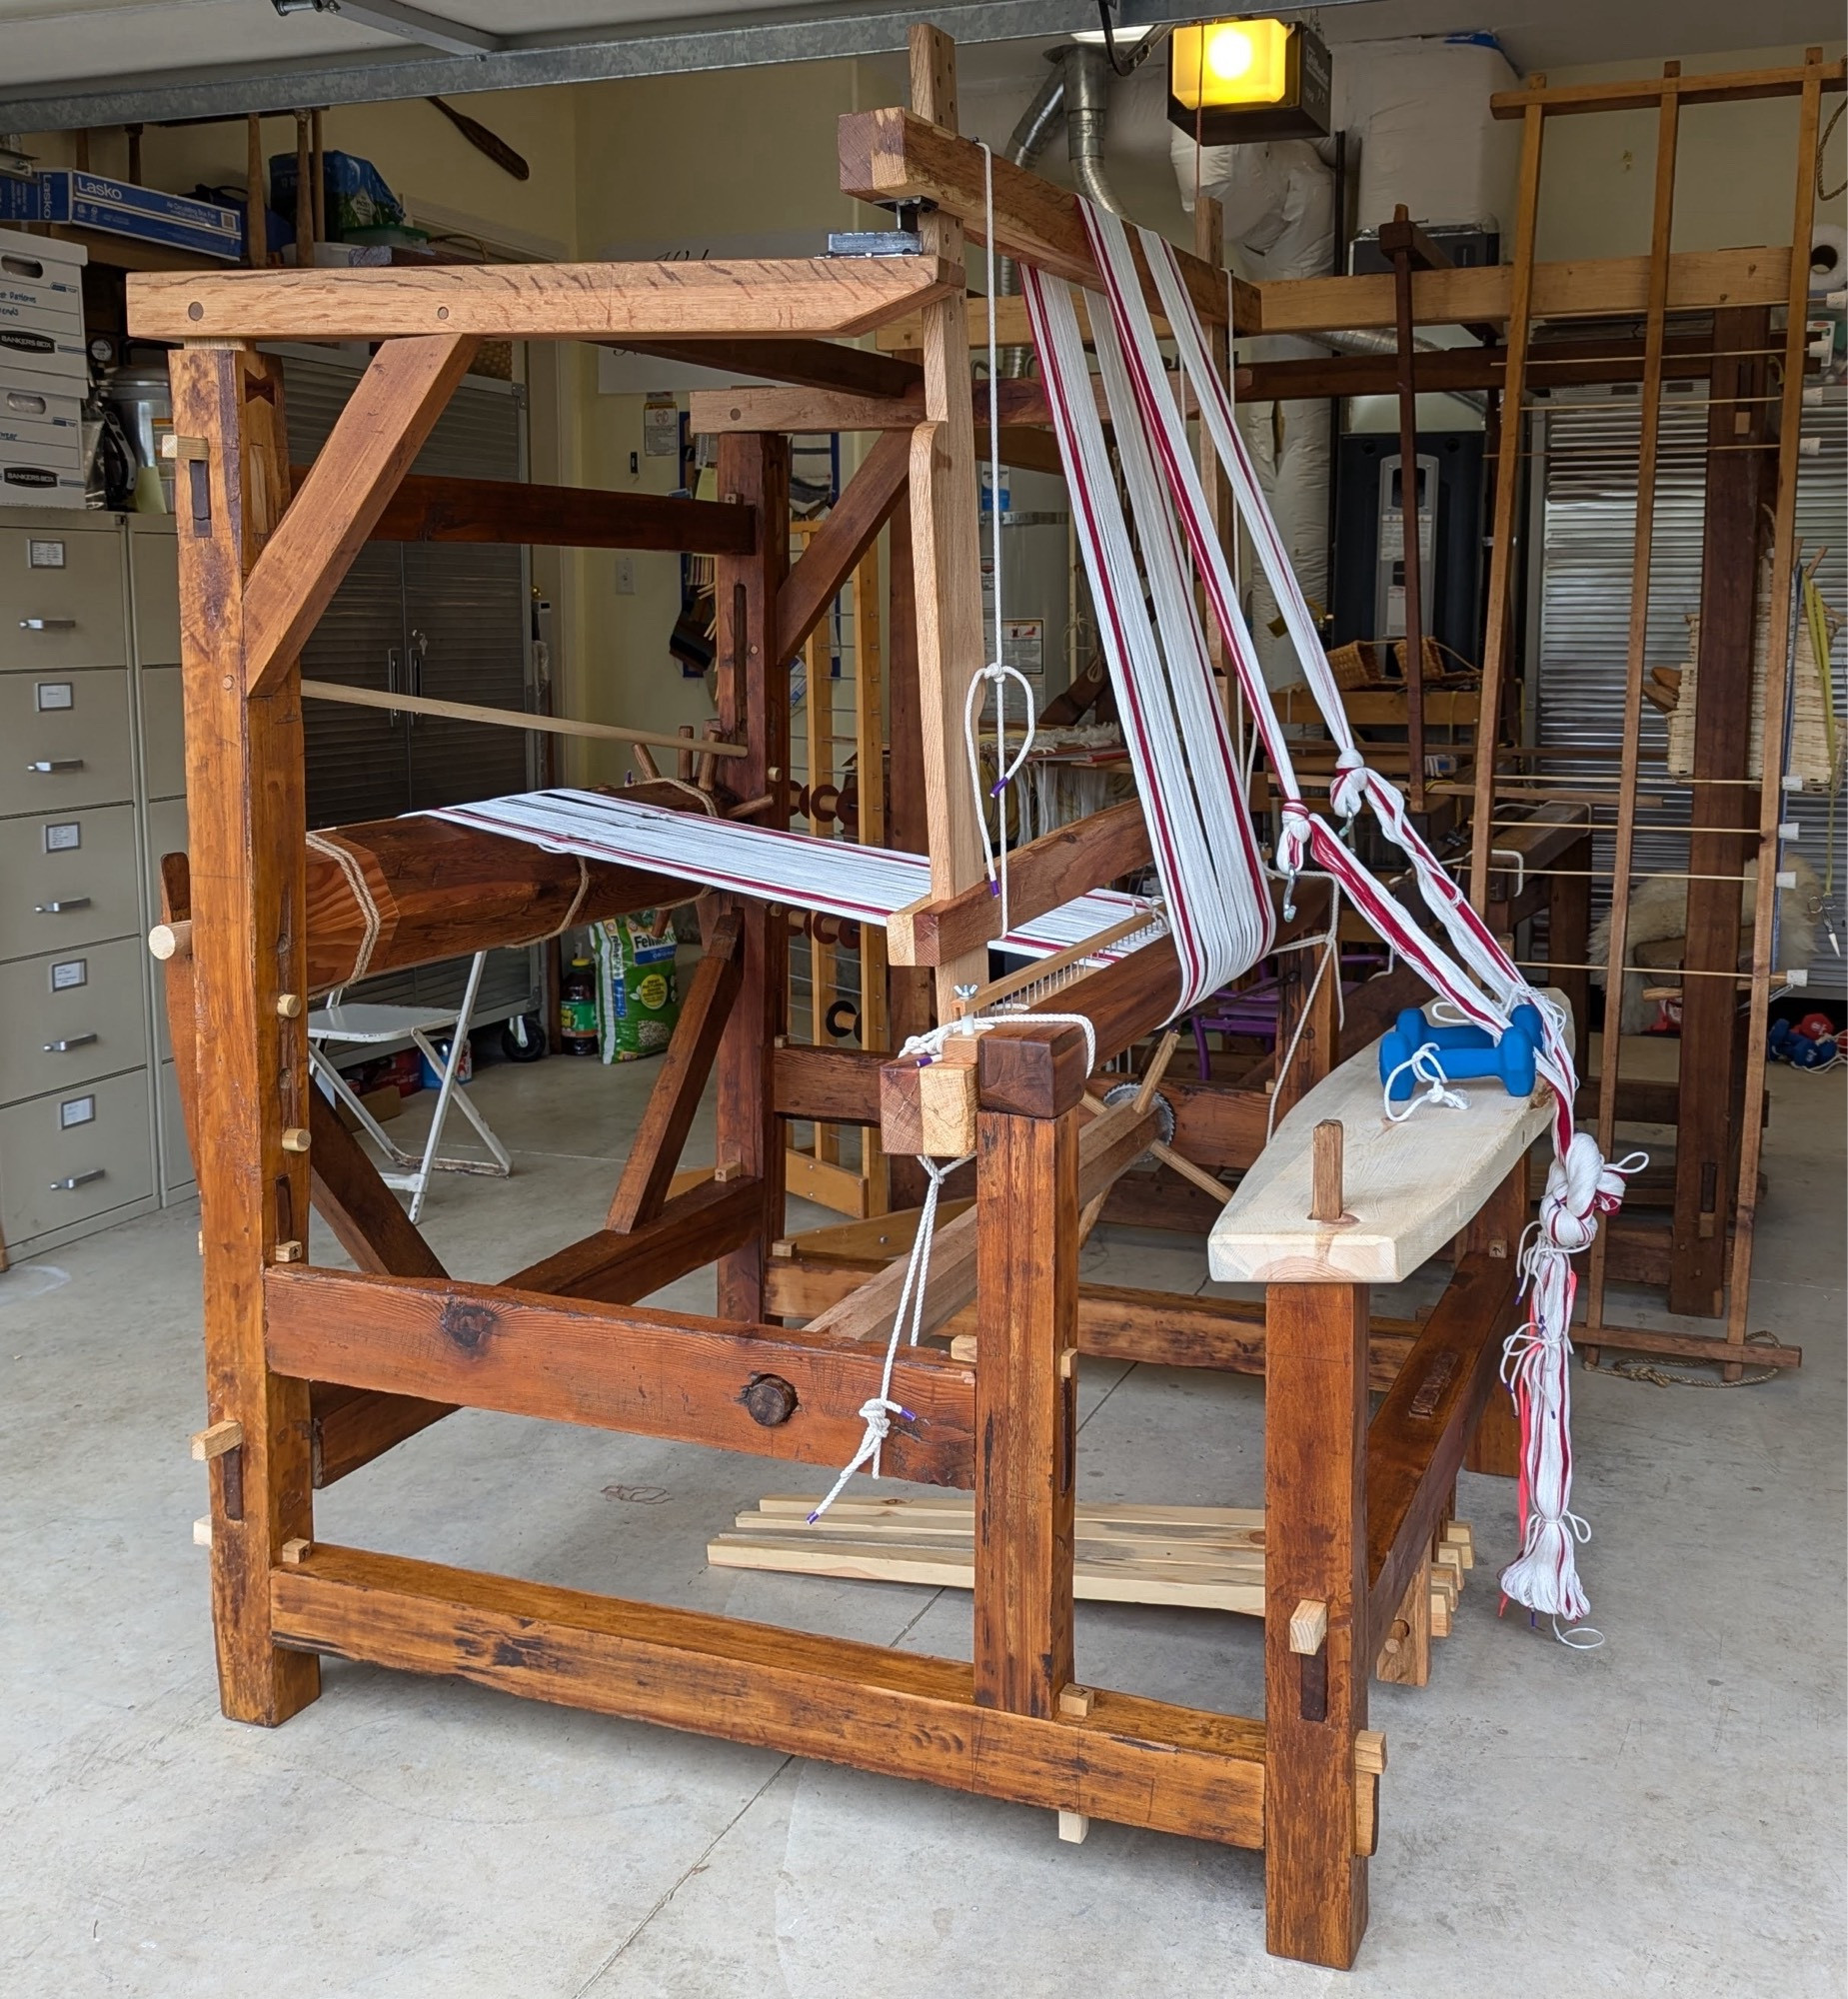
(1581, 289)
(1139, 1762)
(727, 299)
(1067, 861)
(1645, 93)
(603, 1365)
(691, 1229)
(850, 530)
(806, 363)
(392, 409)
(895, 155)
(711, 412)
(679, 1082)
(565, 516)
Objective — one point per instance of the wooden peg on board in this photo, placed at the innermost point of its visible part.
(1325, 1172)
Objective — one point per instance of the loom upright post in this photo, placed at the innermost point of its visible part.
(1027, 1193)
(1315, 1417)
(246, 831)
(754, 709)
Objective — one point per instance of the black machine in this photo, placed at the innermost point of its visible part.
(1369, 543)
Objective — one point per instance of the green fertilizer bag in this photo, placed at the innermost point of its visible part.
(638, 996)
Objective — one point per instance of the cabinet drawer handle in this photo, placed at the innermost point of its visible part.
(62, 908)
(49, 766)
(48, 623)
(69, 1043)
(73, 1181)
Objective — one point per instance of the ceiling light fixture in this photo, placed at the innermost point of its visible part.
(1233, 81)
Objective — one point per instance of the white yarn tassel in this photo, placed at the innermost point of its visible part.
(1579, 1188)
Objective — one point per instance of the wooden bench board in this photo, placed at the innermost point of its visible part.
(1407, 1188)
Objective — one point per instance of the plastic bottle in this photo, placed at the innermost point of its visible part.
(578, 1009)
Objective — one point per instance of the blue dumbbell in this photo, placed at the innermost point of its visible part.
(1418, 1030)
(1512, 1058)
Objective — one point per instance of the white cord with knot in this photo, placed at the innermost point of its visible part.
(1580, 1186)
(1425, 1067)
(880, 1410)
(997, 673)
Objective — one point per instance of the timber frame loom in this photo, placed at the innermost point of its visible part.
(313, 1371)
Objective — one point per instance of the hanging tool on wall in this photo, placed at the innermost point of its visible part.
(483, 141)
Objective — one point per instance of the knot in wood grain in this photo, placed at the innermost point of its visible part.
(467, 1323)
(769, 1400)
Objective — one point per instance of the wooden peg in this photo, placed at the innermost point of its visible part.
(296, 1139)
(1371, 1751)
(643, 761)
(202, 1532)
(183, 450)
(289, 1005)
(1074, 1828)
(288, 1253)
(256, 216)
(295, 1552)
(682, 759)
(1308, 1626)
(1074, 1702)
(218, 1439)
(174, 940)
(1326, 1203)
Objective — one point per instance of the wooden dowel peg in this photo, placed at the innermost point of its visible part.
(1309, 1624)
(1325, 1203)
(295, 1139)
(682, 759)
(295, 1552)
(202, 1532)
(219, 1438)
(174, 940)
(1074, 1702)
(1074, 1828)
(289, 1005)
(288, 1252)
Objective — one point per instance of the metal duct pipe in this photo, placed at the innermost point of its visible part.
(1079, 86)
(1088, 93)
(1028, 138)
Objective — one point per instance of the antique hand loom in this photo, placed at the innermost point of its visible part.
(312, 1371)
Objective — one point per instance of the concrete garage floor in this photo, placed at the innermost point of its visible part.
(1664, 1815)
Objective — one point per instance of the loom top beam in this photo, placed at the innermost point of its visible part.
(720, 298)
(894, 155)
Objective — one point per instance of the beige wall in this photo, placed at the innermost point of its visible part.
(676, 165)
(1735, 183)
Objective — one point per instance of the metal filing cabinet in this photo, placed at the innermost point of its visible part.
(77, 1099)
(154, 597)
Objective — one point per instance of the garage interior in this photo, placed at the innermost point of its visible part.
(597, 379)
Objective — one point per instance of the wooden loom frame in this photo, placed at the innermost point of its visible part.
(313, 1371)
